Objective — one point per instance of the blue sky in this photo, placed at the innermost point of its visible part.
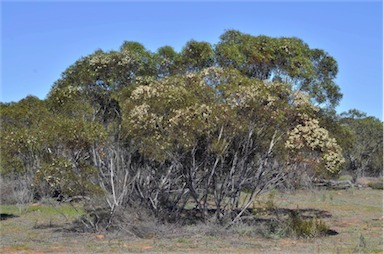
(40, 39)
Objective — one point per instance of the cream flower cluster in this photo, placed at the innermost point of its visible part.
(303, 99)
(144, 92)
(186, 115)
(159, 91)
(61, 95)
(213, 72)
(245, 95)
(22, 138)
(102, 61)
(142, 118)
(310, 135)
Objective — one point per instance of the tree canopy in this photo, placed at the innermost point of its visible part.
(286, 59)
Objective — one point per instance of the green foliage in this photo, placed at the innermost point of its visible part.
(167, 61)
(197, 55)
(27, 112)
(21, 134)
(75, 134)
(281, 59)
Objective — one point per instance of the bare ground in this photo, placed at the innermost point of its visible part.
(357, 216)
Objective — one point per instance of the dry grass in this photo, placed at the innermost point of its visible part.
(356, 215)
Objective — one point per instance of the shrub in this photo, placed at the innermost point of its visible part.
(376, 185)
(301, 228)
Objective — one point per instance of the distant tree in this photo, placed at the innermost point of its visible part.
(168, 61)
(365, 156)
(197, 55)
(22, 143)
(21, 132)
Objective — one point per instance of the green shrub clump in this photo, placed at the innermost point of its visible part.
(301, 228)
(376, 185)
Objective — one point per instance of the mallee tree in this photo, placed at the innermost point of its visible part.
(210, 127)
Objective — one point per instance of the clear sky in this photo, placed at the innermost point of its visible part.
(40, 39)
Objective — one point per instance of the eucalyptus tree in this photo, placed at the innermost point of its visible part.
(21, 132)
(167, 61)
(167, 129)
(22, 143)
(365, 155)
(196, 55)
(286, 59)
